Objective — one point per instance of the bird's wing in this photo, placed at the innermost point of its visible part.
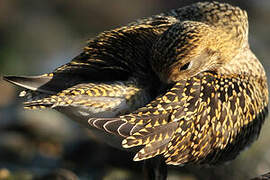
(229, 114)
(155, 124)
(94, 99)
(162, 118)
(199, 119)
(113, 55)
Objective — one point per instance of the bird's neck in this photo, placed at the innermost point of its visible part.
(243, 63)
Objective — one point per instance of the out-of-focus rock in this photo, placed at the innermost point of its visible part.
(59, 174)
(4, 173)
(120, 174)
(15, 147)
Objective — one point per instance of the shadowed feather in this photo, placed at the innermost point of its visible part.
(34, 83)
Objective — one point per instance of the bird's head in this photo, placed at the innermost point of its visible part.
(189, 48)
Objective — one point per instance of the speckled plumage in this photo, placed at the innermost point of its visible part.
(182, 84)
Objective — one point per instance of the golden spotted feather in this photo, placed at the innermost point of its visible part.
(206, 119)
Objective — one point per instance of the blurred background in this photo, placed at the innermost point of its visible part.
(38, 36)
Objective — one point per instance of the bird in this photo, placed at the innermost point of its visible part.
(183, 86)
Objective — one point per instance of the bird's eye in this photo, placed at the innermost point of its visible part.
(185, 66)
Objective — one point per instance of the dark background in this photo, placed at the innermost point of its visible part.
(38, 36)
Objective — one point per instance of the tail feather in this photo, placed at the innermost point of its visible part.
(37, 104)
(36, 90)
(34, 83)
